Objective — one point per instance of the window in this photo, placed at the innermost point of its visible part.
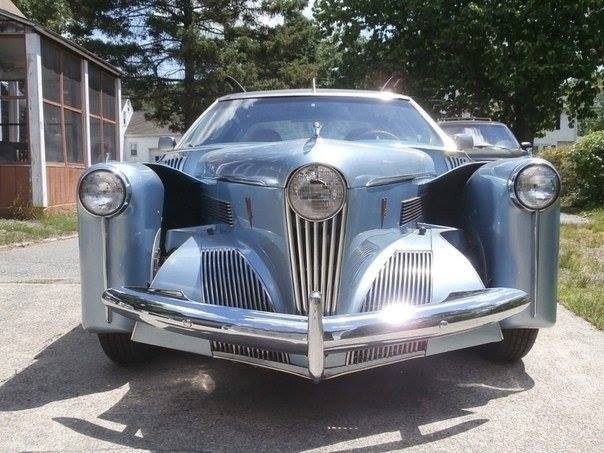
(102, 114)
(62, 96)
(134, 149)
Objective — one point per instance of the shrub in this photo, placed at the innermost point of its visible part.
(581, 167)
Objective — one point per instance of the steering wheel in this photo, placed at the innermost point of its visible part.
(375, 134)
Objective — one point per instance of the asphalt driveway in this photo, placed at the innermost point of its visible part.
(59, 392)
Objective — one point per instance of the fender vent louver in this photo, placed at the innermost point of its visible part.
(405, 278)
(411, 209)
(218, 210)
(457, 160)
(177, 162)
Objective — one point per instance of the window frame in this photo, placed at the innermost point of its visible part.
(100, 116)
(62, 107)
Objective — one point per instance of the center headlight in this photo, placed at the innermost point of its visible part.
(535, 186)
(103, 192)
(316, 192)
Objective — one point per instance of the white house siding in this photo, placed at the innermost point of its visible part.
(563, 136)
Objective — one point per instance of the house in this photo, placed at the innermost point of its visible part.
(564, 134)
(142, 136)
(59, 113)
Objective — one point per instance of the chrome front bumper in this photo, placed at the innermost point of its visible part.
(315, 336)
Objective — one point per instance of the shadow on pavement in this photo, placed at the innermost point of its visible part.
(187, 402)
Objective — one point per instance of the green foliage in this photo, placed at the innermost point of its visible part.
(176, 55)
(581, 167)
(581, 276)
(517, 61)
(52, 14)
(45, 225)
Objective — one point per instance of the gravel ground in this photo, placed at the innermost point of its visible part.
(58, 392)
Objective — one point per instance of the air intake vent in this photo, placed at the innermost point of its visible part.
(405, 278)
(409, 349)
(457, 160)
(246, 351)
(411, 209)
(229, 280)
(316, 258)
(218, 210)
(177, 162)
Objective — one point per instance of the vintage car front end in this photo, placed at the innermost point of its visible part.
(318, 256)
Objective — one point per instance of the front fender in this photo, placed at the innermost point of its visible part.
(519, 247)
(117, 251)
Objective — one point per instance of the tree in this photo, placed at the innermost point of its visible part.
(52, 14)
(177, 54)
(520, 61)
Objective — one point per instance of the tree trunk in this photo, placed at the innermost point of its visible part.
(188, 95)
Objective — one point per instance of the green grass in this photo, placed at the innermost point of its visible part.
(581, 278)
(46, 226)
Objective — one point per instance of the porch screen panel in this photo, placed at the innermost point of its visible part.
(103, 114)
(62, 97)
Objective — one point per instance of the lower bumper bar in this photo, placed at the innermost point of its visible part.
(315, 335)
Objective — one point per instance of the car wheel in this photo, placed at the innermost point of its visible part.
(515, 345)
(121, 349)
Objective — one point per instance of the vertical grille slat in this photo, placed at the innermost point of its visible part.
(251, 352)
(176, 162)
(229, 280)
(457, 160)
(405, 278)
(316, 258)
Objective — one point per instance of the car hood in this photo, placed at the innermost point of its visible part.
(494, 153)
(270, 164)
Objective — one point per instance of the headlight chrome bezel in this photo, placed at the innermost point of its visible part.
(512, 186)
(121, 177)
(340, 203)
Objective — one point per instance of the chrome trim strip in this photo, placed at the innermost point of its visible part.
(535, 221)
(104, 263)
(290, 333)
(240, 180)
(382, 181)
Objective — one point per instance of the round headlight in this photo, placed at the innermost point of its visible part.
(102, 192)
(316, 192)
(536, 186)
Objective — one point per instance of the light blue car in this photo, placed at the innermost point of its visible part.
(319, 233)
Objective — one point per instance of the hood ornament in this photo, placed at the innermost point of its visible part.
(317, 129)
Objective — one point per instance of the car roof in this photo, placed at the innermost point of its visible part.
(468, 121)
(311, 92)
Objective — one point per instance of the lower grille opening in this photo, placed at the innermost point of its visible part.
(246, 351)
(385, 352)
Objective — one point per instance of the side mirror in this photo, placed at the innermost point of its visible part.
(526, 145)
(464, 142)
(166, 143)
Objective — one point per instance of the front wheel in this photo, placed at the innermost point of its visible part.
(121, 349)
(515, 345)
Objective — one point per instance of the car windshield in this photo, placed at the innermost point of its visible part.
(272, 119)
(484, 134)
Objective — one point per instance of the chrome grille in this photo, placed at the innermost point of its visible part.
(316, 258)
(218, 210)
(176, 162)
(411, 209)
(405, 278)
(385, 352)
(229, 280)
(246, 351)
(457, 160)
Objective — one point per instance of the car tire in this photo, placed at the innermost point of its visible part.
(122, 350)
(515, 345)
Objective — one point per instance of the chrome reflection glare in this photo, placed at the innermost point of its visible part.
(536, 186)
(316, 192)
(398, 313)
(102, 192)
